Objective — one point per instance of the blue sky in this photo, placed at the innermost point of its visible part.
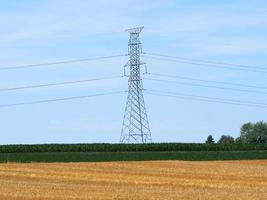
(39, 31)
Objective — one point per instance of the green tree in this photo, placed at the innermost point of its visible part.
(226, 139)
(238, 140)
(254, 133)
(210, 140)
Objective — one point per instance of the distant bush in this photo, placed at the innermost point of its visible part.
(226, 139)
(129, 147)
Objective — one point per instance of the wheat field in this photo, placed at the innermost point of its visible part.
(135, 180)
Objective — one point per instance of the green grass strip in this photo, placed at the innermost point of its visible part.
(131, 156)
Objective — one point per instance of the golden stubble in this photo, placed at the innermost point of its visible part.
(135, 180)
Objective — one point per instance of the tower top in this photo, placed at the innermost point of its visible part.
(135, 30)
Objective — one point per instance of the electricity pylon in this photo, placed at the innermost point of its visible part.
(135, 128)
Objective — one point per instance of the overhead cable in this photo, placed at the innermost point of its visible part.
(58, 83)
(60, 99)
(207, 61)
(208, 81)
(205, 98)
(46, 64)
(207, 86)
(206, 64)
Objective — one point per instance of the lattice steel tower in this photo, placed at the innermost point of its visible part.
(135, 128)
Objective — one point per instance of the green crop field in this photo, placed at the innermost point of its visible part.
(131, 156)
(105, 147)
(130, 152)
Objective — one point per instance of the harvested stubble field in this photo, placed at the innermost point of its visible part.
(135, 180)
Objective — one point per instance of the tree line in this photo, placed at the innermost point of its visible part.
(250, 133)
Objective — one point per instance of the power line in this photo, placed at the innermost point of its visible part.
(60, 99)
(205, 98)
(202, 100)
(60, 62)
(208, 81)
(207, 61)
(206, 86)
(205, 65)
(58, 83)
